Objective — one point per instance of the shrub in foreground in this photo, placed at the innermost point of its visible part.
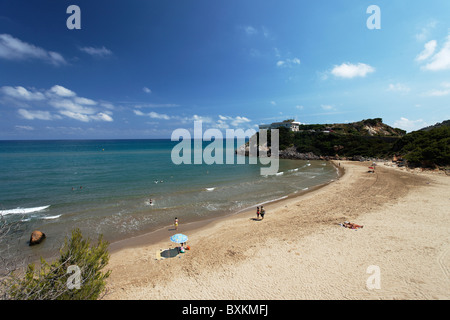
(75, 275)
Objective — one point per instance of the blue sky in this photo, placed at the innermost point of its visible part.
(141, 69)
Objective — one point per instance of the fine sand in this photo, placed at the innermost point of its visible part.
(299, 250)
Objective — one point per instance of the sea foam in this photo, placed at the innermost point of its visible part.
(23, 210)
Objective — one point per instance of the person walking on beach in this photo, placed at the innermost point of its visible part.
(257, 213)
(176, 223)
(262, 212)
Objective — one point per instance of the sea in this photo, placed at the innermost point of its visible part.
(125, 188)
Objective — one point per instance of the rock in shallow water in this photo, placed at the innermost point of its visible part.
(36, 237)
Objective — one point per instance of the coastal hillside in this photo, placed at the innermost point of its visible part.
(367, 139)
(445, 123)
(426, 148)
(368, 127)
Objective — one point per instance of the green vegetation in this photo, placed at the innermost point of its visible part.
(52, 280)
(426, 148)
(331, 144)
(371, 138)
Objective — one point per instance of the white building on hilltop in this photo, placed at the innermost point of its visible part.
(290, 124)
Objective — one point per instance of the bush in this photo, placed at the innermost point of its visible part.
(51, 280)
(426, 148)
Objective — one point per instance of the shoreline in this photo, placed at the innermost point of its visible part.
(299, 251)
(161, 234)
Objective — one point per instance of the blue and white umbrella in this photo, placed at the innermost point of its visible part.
(179, 238)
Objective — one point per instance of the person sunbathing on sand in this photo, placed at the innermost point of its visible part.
(350, 225)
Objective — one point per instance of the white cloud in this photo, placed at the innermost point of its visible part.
(266, 33)
(31, 115)
(146, 90)
(65, 101)
(79, 108)
(441, 60)
(288, 62)
(106, 105)
(103, 117)
(425, 31)
(398, 88)
(277, 53)
(56, 58)
(22, 93)
(70, 105)
(96, 52)
(156, 105)
(201, 118)
(28, 128)
(153, 115)
(221, 124)
(61, 91)
(256, 31)
(410, 125)
(428, 51)
(439, 92)
(233, 121)
(348, 70)
(299, 107)
(75, 115)
(239, 120)
(224, 122)
(249, 30)
(85, 101)
(15, 49)
(327, 107)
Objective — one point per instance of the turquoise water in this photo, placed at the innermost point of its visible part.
(104, 187)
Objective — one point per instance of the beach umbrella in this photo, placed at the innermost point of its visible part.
(179, 238)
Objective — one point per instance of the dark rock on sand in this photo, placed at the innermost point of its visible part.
(36, 237)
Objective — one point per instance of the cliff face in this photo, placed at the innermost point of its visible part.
(244, 150)
(369, 127)
(292, 153)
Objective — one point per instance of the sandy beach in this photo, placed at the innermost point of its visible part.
(299, 250)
